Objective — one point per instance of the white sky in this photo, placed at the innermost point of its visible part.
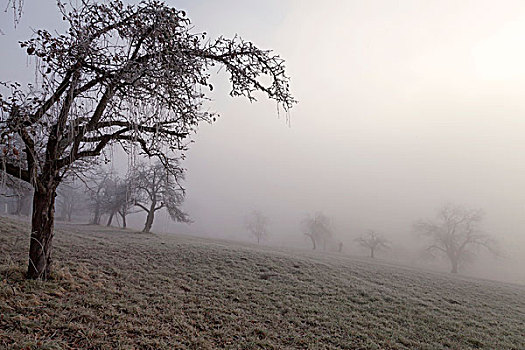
(403, 106)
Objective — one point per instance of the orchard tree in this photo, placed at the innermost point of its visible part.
(69, 200)
(372, 241)
(98, 185)
(257, 224)
(456, 233)
(118, 200)
(125, 74)
(156, 188)
(318, 229)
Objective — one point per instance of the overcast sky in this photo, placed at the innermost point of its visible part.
(403, 106)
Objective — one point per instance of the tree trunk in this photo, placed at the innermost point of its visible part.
(41, 233)
(110, 219)
(123, 220)
(96, 215)
(150, 218)
(372, 253)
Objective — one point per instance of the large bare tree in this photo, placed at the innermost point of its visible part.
(126, 74)
(456, 233)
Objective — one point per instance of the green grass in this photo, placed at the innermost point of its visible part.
(125, 290)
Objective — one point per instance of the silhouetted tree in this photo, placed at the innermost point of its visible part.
(371, 240)
(257, 224)
(156, 188)
(456, 233)
(318, 229)
(128, 74)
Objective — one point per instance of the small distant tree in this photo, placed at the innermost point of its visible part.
(318, 229)
(156, 187)
(257, 224)
(98, 183)
(119, 199)
(69, 200)
(456, 233)
(372, 241)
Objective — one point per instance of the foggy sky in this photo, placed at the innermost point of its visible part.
(403, 107)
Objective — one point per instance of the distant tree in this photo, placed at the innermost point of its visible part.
(456, 233)
(156, 188)
(134, 75)
(98, 183)
(372, 241)
(118, 199)
(257, 224)
(69, 200)
(318, 229)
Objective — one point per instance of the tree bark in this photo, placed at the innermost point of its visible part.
(42, 233)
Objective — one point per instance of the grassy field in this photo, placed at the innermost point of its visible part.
(127, 290)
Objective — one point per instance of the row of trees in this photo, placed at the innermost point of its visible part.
(317, 228)
(456, 233)
(147, 188)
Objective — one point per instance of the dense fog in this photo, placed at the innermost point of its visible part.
(403, 107)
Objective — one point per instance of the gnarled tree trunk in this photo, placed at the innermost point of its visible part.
(42, 233)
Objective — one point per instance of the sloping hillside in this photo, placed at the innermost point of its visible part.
(122, 289)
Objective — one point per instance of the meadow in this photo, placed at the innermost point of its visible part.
(121, 289)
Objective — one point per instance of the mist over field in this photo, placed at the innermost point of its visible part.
(249, 174)
(403, 107)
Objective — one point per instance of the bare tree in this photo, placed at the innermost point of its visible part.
(373, 241)
(98, 184)
(257, 224)
(118, 200)
(127, 74)
(156, 188)
(456, 233)
(318, 229)
(69, 200)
